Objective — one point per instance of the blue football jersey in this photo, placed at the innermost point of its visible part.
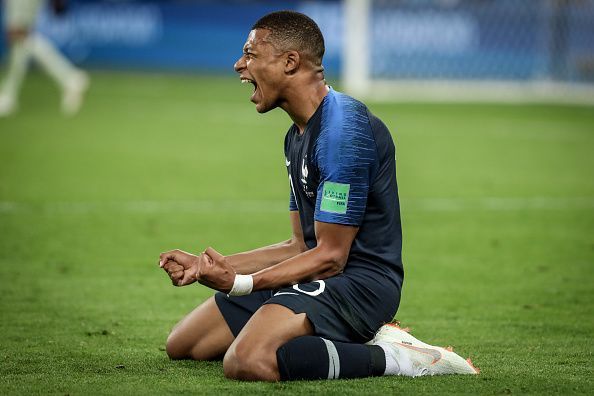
(342, 170)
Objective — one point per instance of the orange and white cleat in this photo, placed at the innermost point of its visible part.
(426, 359)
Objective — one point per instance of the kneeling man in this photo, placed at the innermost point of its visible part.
(305, 308)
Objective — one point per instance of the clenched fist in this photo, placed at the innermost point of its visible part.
(210, 269)
(181, 266)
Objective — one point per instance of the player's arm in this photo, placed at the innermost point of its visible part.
(264, 257)
(327, 259)
(183, 268)
(212, 269)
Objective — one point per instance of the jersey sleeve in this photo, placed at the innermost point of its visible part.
(346, 157)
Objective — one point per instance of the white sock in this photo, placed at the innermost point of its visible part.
(397, 361)
(17, 68)
(54, 63)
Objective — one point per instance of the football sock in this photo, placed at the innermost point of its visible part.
(398, 361)
(56, 65)
(311, 357)
(19, 57)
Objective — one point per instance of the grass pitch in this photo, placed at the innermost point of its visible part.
(498, 218)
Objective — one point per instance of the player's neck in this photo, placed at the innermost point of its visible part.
(304, 102)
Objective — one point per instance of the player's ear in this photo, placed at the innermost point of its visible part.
(292, 61)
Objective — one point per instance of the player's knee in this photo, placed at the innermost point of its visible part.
(178, 347)
(245, 363)
(175, 348)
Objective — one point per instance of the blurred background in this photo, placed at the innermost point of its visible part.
(490, 103)
(541, 47)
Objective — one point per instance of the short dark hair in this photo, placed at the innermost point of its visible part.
(291, 30)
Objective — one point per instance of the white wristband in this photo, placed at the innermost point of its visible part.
(242, 285)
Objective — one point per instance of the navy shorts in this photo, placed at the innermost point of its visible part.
(349, 307)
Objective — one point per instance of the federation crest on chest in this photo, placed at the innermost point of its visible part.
(304, 171)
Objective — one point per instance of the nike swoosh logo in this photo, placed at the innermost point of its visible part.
(281, 293)
(434, 353)
(287, 163)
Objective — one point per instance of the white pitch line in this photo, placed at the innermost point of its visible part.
(147, 207)
(497, 204)
(276, 206)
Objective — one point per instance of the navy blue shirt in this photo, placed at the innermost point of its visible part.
(342, 170)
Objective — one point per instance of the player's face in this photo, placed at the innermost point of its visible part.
(262, 65)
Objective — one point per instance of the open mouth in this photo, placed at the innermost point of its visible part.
(245, 80)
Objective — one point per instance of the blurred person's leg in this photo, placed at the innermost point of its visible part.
(71, 80)
(20, 16)
(20, 19)
(17, 67)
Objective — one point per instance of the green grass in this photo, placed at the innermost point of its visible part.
(498, 217)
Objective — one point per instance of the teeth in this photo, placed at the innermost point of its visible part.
(246, 80)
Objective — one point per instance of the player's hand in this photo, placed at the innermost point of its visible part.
(175, 272)
(181, 266)
(215, 272)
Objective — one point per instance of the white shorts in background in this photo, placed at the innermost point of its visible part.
(21, 14)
